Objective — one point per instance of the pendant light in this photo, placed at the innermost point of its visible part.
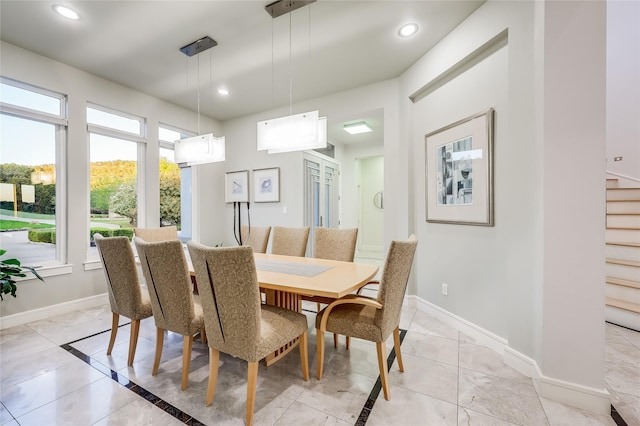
(201, 149)
(295, 132)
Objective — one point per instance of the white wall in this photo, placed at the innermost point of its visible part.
(512, 279)
(81, 88)
(623, 87)
(241, 154)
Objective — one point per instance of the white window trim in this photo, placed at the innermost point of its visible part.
(59, 265)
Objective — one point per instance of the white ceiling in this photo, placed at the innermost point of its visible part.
(336, 45)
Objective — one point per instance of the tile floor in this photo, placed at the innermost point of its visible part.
(448, 380)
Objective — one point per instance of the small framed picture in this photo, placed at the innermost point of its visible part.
(266, 185)
(237, 186)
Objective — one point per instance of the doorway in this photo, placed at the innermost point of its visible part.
(321, 194)
(370, 181)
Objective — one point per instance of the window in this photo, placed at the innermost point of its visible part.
(32, 142)
(116, 153)
(175, 184)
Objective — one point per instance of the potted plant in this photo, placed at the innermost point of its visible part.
(10, 268)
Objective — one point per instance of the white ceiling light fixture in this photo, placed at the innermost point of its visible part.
(66, 12)
(201, 149)
(297, 132)
(223, 92)
(407, 30)
(357, 128)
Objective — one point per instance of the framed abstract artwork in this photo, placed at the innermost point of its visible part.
(237, 186)
(459, 172)
(266, 185)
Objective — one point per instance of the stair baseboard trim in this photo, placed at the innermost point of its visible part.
(49, 311)
(622, 243)
(613, 261)
(623, 305)
(623, 282)
(576, 395)
(620, 175)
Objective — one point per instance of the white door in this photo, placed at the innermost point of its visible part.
(321, 194)
(370, 178)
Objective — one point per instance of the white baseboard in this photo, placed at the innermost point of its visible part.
(479, 334)
(49, 311)
(576, 395)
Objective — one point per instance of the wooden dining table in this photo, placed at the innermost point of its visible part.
(288, 280)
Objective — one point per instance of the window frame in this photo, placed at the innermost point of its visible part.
(59, 265)
(141, 148)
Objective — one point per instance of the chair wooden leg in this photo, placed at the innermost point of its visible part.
(348, 342)
(159, 342)
(251, 390)
(318, 307)
(396, 347)
(214, 360)
(115, 318)
(304, 355)
(335, 340)
(319, 353)
(381, 347)
(203, 336)
(187, 344)
(133, 340)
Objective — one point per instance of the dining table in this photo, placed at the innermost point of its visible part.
(288, 280)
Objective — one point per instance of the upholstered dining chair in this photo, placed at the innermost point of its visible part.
(235, 320)
(335, 244)
(175, 307)
(257, 237)
(372, 319)
(289, 241)
(126, 297)
(163, 233)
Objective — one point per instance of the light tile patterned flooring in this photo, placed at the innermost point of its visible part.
(448, 380)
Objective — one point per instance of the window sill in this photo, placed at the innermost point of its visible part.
(91, 265)
(50, 271)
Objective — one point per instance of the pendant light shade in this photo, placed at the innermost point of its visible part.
(292, 133)
(295, 132)
(200, 149)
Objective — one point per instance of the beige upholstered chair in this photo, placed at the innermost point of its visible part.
(126, 296)
(335, 244)
(289, 241)
(235, 320)
(157, 234)
(372, 319)
(174, 306)
(257, 237)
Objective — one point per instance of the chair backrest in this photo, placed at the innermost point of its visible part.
(289, 241)
(230, 297)
(157, 234)
(257, 237)
(393, 284)
(119, 265)
(335, 244)
(166, 271)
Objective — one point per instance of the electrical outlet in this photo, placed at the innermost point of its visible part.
(444, 289)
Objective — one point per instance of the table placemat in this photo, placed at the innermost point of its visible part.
(293, 268)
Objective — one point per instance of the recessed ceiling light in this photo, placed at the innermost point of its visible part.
(223, 92)
(66, 12)
(408, 30)
(356, 128)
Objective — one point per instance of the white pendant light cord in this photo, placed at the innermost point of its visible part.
(199, 94)
(290, 71)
